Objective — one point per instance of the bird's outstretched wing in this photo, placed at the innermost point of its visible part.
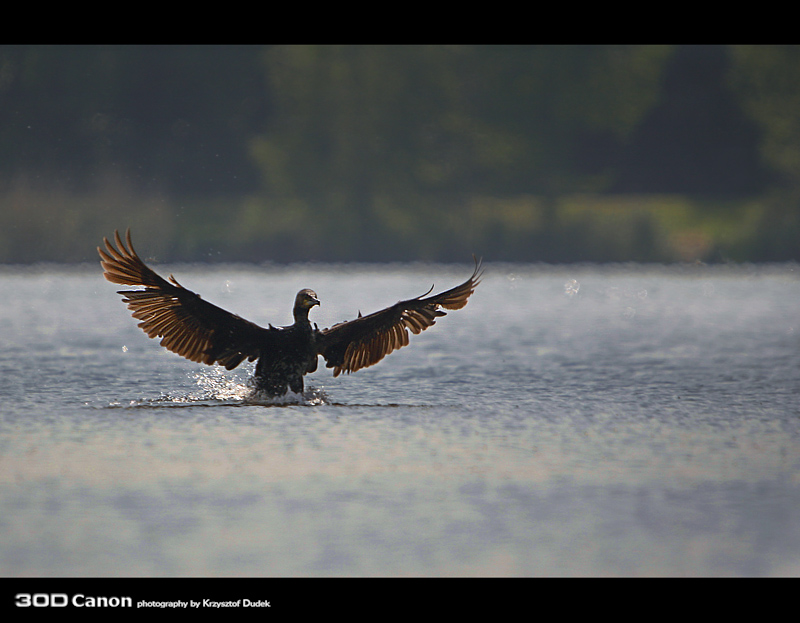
(350, 346)
(188, 325)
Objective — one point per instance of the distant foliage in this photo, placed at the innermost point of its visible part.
(401, 152)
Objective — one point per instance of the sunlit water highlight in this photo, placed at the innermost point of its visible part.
(568, 421)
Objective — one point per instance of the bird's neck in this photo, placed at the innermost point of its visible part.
(301, 316)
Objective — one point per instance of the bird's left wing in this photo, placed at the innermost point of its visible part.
(350, 346)
(188, 325)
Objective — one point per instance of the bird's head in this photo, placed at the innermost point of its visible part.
(306, 299)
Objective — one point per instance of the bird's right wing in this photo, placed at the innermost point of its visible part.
(188, 325)
(350, 346)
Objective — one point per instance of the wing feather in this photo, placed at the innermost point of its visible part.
(188, 325)
(350, 346)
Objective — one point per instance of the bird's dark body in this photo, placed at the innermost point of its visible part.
(203, 332)
(283, 363)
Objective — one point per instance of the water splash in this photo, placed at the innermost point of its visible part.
(215, 385)
(219, 390)
(310, 397)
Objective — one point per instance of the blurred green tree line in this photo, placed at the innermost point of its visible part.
(291, 153)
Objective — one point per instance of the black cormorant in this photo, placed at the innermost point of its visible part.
(203, 332)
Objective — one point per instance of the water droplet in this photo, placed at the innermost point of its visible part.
(571, 287)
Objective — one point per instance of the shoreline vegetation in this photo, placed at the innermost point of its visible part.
(58, 226)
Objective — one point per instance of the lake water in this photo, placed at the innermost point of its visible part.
(569, 421)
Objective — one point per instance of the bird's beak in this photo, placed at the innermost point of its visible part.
(315, 302)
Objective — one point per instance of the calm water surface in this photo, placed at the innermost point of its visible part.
(568, 421)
